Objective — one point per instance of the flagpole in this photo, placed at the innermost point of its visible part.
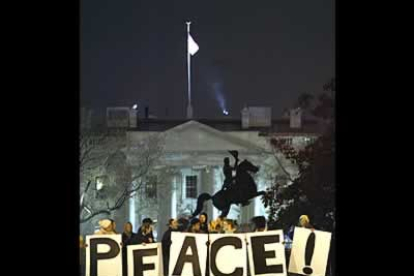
(189, 107)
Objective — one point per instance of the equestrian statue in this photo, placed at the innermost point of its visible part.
(235, 190)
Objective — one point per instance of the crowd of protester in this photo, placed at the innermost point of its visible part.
(200, 224)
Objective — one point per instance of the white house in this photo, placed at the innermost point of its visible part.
(192, 162)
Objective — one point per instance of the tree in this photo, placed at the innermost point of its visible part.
(312, 191)
(111, 172)
(97, 146)
(304, 101)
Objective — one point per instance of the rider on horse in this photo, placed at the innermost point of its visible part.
(229, 180)
(228, 170)
(236, 190)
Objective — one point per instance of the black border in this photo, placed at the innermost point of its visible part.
(43, 107)
(47, 131)
(367, 120)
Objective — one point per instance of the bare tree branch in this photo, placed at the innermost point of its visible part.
(282, 167)
(94, 214)
(98, 155)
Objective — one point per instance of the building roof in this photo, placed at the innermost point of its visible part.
(278, 126)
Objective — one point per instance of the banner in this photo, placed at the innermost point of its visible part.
(228, 255)
(103, 255)
(145, 260)
(188, 254)
(266, 253)
(310, 250)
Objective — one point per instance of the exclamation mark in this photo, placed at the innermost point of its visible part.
(310, 246)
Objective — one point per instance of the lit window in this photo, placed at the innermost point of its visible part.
(191, 186)
(99, 184)
(100, 188)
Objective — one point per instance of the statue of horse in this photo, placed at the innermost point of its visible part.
(240, 192)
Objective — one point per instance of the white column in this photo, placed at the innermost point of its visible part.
(218, 182)
(259, 209)
(174, 198)
(132, 214)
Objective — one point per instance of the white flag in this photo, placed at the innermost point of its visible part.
(192, 45)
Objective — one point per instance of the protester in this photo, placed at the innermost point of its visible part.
(166, 243)
(127, 238)
(144, 233)
(106, 227)
(127, 235)
(82, 255)
(215, 226)
(194, 226)
(203, 223)
(229, 226)
(259, 223)
(304, 221)
(183, 224)
(113, 226)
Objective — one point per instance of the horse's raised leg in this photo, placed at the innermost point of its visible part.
(200, 201)
(225, 211)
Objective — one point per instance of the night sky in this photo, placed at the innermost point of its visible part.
(254, 53)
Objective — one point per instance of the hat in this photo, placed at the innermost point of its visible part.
(105, 223)
(259, 221)
(147, 220)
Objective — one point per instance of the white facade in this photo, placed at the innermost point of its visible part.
(196, 151)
